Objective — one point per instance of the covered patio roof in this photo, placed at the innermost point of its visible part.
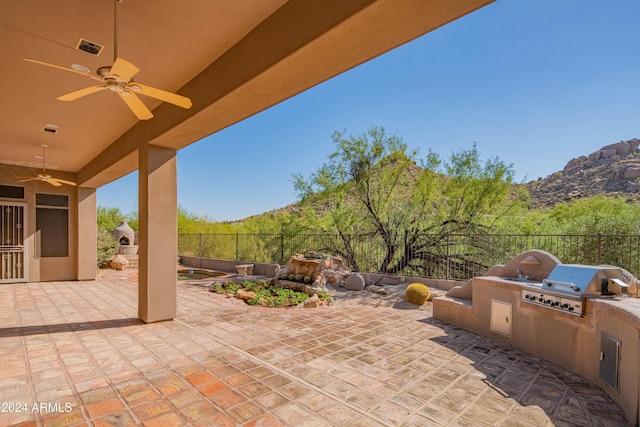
(232, 58)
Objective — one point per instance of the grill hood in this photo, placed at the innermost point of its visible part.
(585, 280)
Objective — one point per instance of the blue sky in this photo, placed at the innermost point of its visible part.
(533, 82)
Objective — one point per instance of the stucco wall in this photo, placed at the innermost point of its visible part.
(571, 341)
(37, 268)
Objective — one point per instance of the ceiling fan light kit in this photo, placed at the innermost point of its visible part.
(119, 79)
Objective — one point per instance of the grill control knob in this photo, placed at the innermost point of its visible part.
(555, 303)
(527, 296)
(571, 308)
(541, 299)
(547, 301)
(564, 305)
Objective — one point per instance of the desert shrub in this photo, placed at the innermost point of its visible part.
(107, 248)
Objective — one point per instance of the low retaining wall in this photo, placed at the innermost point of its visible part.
(260, 269)
(228, 266)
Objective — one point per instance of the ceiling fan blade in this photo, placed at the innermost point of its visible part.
(80, 93)
(63, 181)
(71, 70)
(136, 105)
(163, 95)
(25, 178)
(124, 69)
(53, 182)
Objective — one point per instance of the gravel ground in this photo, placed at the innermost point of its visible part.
(381, 296)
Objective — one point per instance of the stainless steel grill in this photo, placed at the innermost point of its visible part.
(568, 285)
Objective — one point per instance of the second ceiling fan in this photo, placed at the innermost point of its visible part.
(119, 79)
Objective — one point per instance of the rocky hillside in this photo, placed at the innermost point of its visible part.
(613, 170)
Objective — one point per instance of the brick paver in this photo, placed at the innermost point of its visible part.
(74, 353)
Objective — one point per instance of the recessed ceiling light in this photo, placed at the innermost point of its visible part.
(80, 68)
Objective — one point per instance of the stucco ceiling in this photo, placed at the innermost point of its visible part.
(233, 58)
(170, 41)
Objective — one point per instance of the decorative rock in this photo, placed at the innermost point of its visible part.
(273, 270)
(333, 277)
(119, 263)
(312, 302)
(323, 270)
(245, 295)
(355, 282)
(380, 290)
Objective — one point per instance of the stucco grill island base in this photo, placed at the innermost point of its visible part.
(585, 318)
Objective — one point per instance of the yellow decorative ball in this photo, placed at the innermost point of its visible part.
(417, 293)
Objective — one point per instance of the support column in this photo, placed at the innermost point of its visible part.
(86, 234)
(157, 233)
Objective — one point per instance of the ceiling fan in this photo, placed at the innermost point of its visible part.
(44, 177)
(119, 79)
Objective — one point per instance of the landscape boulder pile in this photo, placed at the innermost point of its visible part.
(313, 272)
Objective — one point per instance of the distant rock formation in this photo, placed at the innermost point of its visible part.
(613, 170)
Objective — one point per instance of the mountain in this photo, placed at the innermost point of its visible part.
(613, 170)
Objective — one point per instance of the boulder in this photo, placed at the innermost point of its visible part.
(355, 282)
(312, 302)
(325, 271)
(245, 295)
(376, 289)
(273, 270)
(119, 263)
(632, 187)
(575, 163)
(631, 173)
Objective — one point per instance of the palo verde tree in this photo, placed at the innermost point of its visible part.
(372, 186)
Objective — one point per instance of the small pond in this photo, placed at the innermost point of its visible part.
(198, 274)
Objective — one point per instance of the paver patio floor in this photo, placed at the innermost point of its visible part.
(77, 351)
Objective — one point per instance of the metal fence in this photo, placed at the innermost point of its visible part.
(437, 256)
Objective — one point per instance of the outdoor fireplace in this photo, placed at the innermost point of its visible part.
(126, 238)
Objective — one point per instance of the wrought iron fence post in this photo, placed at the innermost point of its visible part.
(281, 248)
(201, 250)
(599, 248)
(448, 260)
(237, 248)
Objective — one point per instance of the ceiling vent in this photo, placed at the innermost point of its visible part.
(89, 47)
(50, 128)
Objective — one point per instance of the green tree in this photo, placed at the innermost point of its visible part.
(372, 186)
(109, 218)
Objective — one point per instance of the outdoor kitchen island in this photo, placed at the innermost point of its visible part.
(584, 318)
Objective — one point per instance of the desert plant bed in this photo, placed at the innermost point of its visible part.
(261, 293)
